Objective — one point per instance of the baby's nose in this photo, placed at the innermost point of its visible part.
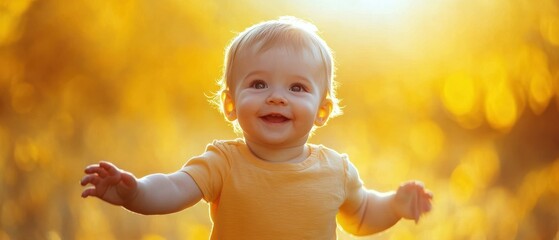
(276, 97)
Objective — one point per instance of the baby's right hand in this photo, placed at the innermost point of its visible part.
(412, 200)
(109, 183)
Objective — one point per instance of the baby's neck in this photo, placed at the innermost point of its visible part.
(288, 154)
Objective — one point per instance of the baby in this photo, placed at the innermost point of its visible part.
(277, 87)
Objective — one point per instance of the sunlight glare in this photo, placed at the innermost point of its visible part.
(388, 7)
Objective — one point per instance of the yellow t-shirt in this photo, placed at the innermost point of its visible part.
(254, 199)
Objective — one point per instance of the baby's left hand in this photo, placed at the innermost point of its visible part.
(412, 200)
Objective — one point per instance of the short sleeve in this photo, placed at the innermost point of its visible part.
(208, 171)
(350, 213)
(355, 192)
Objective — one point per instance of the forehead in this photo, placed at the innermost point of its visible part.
(297, 44)
(283, 60)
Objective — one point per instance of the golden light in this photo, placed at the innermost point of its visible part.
(463, 94)
(550, 29)
(541, 91)
(501, 108)
(462, 183)
(393, 10)
(459, 94)
(427, 141)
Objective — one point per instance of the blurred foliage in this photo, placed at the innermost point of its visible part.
(462, 94)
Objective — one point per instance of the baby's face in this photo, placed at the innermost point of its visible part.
(277, 96)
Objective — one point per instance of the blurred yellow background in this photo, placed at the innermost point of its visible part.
(462, 94)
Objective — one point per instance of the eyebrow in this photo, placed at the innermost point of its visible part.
(257, 72)
(306, 80)
(291, 76)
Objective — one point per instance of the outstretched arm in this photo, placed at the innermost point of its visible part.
(380, 211)
(152, 194)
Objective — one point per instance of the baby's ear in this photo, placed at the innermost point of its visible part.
(323, 112)
(228, 106)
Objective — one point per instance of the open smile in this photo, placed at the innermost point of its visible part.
(275, 118)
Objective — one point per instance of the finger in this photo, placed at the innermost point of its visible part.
(89, 192)
(89, 179)
(427, 206)
(93, 168)
(411, 199)
(427, 203)
(419, 184)
(429, 194)
(414, 185)
(109, 167)
(421, 202)
(416, 210)
(96, 169)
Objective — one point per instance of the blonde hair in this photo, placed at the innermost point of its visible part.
(289, 32)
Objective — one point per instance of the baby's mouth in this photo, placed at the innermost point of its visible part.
(274, 118)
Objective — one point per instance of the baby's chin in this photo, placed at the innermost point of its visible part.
(277, 140)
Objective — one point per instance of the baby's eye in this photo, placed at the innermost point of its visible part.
(297, 88)
(258, 84)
